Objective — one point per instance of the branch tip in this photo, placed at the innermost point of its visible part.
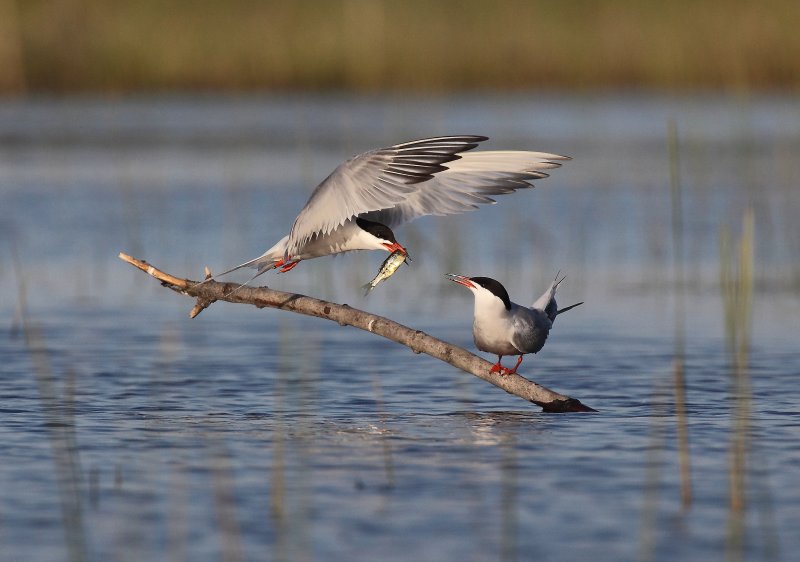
(154, 272)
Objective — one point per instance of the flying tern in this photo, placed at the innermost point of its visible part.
(358, 205)
(503, 327)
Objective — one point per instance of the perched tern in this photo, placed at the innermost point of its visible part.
(506, 328)
(356, 207)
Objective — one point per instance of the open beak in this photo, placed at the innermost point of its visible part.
(461, 280)
(395, 247)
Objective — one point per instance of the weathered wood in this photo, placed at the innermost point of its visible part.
(416, 340)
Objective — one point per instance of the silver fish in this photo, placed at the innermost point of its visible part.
(388, 268)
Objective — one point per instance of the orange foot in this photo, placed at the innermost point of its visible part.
(513, 370)
(498, 368)
(286, 265)
(289, 266)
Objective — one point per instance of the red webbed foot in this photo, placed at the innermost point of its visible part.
(498, 367)
(289, 266)
(286, 264)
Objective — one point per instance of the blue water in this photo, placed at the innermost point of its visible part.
(128, 431)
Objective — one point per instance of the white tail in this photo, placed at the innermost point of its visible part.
(264, 262)
(547, 302)
(548, 297)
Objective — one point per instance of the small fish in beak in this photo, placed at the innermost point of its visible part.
(388, 268)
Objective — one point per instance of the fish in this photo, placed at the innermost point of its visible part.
(388, 268)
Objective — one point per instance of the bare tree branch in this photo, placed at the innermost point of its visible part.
(416, 340)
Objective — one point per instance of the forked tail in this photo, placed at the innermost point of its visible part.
(262, 268)
(547, 302)
(570, 307)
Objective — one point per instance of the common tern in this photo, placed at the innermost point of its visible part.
(503, 327)
(356, 207)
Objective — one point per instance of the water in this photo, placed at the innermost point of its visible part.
(131, 432)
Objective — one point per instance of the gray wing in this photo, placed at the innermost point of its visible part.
(375, 180)
(531, 328)
(468, 182)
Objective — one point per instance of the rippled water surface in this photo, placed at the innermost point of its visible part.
(129, 432)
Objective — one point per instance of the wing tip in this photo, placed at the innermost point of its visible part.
(445, 139)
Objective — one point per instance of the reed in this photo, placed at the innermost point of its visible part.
(223, 492)
(679, 378)
(736, 284)
(653, 477)
(509, 499)
(384, 435)
(58, 419)
(373, 45)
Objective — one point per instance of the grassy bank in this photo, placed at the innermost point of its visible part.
(375, 45)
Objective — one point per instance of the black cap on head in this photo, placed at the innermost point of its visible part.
(377, 229)
(495, 288)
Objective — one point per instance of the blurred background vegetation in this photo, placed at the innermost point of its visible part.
(119, 46)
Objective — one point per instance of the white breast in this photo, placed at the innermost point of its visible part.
(346, 238)
(492, 328)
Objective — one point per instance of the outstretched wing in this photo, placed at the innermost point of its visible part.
(468, 182)
(378, 179)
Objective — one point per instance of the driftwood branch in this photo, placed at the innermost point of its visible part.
(416, 340)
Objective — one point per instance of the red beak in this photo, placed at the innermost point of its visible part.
(461, 280)
(395, 247)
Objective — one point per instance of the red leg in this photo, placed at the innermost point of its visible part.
(514, 370)
(497, 367)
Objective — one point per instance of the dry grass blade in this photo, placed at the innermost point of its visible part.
(59, 427)
(736, 282)
(681, 415)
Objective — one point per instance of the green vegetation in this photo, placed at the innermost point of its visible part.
(380, 45)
